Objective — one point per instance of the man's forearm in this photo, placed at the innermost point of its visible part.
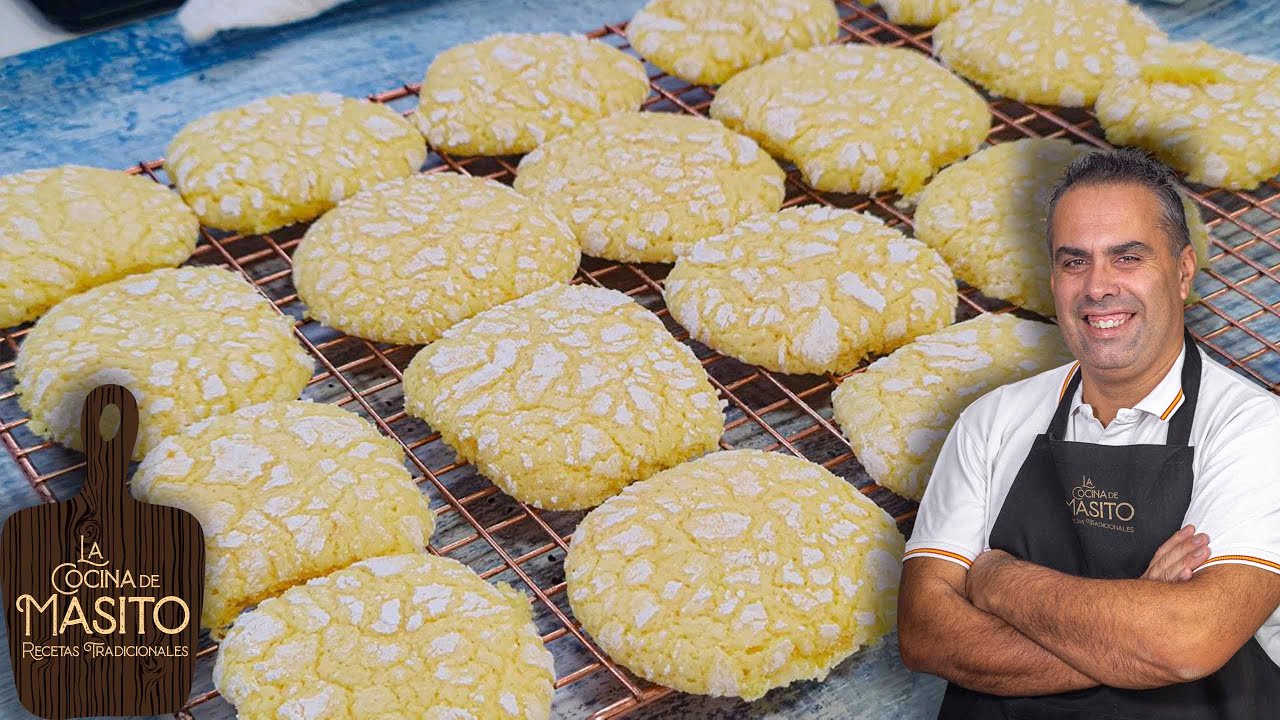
(1104, 627)
(942, 633)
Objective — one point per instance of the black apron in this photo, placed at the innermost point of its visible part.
(1101, 511)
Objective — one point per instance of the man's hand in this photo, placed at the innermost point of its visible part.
(1182, 553)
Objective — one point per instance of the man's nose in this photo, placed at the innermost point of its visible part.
(1101, 281)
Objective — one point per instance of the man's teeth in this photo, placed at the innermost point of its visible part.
(1109, 322)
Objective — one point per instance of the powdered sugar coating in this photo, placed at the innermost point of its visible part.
(66, 229)
(707, 41)
(1056, 52)
(508, 93)
(921, 12)
(1210, 113)
(189, 343)
(735, 573)
(391, 635)
(856, 118)
(565, 396)
(284, 491)
(897, 413)
(810, 289)
(404, 260)
(288, 158)
(634, 185)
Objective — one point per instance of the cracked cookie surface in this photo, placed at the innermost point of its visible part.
(285, 491)
(735, 573)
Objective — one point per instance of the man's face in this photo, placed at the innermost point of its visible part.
(1117, 284)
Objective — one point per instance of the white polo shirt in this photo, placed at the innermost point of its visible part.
(1235, 496)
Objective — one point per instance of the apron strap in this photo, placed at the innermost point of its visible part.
(1179, 424)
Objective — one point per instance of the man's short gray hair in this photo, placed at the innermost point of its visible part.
(1125, 166)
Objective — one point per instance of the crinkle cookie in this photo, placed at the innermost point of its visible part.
(856, 118)
(735, 573)
(633, 185)
(921, 12)
(707, 41)
(565, 396)
(811, 289)
(288, 158)
(285, 491)
(986, 215)
(1056, 52)
(898, 411)
(411, 635)
(1210, 113)
(66, 229)
(188, 342)
(508, 93)
(402, 261)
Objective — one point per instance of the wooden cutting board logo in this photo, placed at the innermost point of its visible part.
(102, 593)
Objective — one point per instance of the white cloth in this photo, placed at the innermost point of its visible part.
(1235, 496)
(201, 19)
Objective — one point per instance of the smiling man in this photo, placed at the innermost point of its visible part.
(1055, 570)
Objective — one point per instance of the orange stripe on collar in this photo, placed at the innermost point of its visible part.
(1065, 383)
(1169, 410)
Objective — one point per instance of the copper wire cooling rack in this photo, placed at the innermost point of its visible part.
(1237, 320)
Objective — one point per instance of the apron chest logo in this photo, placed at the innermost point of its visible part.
(1094, 506)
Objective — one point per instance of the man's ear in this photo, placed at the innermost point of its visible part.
(1187, 265)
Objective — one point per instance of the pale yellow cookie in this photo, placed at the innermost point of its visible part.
(856, 118)
(565, 396)
(66, 229)
(735, 573)
(508, 93)
(1055, 52)
(285, 491)
(707, 41)
(810, 289)
(189, 343)
(986, 215)
(288, 158)
(397, 636)
(402, 261)
(1210, 113)
(633, 185)
(898, 411)
(921, 12)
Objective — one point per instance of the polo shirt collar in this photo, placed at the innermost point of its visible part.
(1163, 400)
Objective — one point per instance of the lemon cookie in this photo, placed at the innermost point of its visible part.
(810, 289)
(661, 179)
(986, 216)
(285, 491)
(288, 158)
(1210, 113)
(565, 396)
(856, 117)
(189, 343)
(706, 42)
(69, 228)
(393, 636)
(508, 93)
(921, 12)
(735, 573)
(401, 262)
(897, 412)
(1057, 52)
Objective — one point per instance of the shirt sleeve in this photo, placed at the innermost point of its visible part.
(951, 521)
(1236, 500)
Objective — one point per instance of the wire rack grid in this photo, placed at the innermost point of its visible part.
(1237, 320)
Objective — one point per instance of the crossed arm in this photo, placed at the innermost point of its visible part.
(1008, 627)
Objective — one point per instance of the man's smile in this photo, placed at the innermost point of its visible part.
(1108, 321)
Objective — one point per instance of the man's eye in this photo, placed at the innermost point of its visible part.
(1073, 263)
(1129, 258)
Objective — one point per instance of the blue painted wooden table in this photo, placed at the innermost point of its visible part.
(115, 98)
